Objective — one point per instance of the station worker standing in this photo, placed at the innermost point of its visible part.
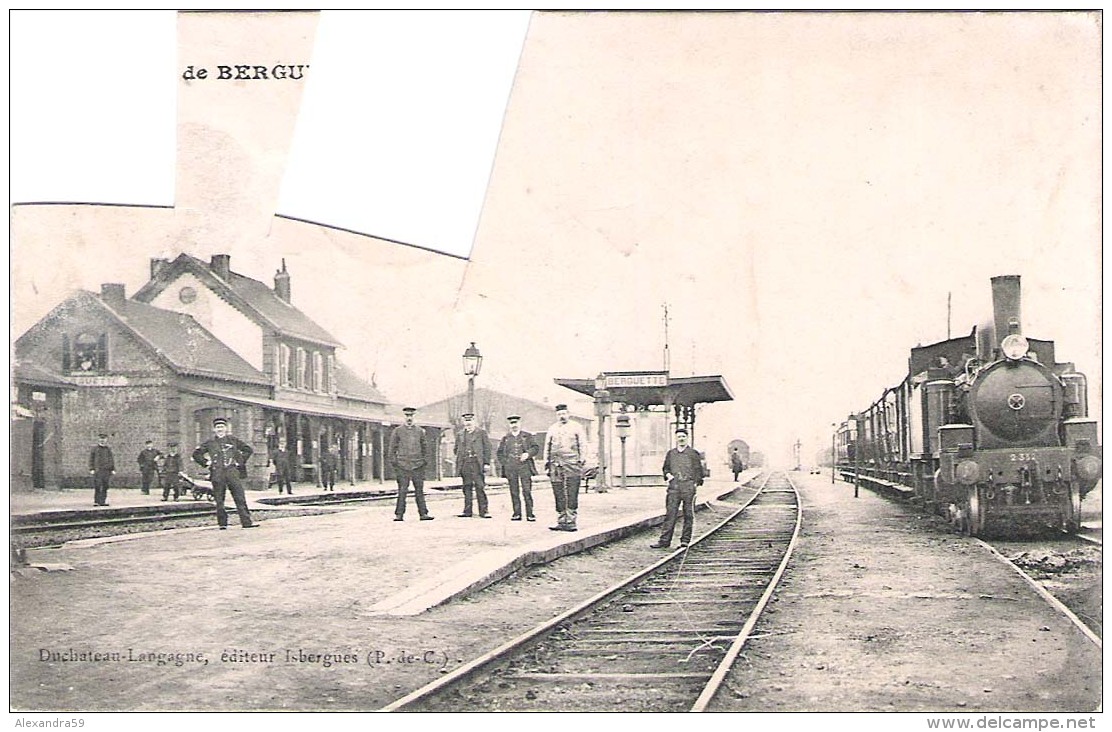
(282, 470)
(473, 458)
(330, 466)
(516, 453)
(226, 458)
(407, 452)
(148, 465)
(683, 469)
(566, 454)
(171, 472)
(102, 464)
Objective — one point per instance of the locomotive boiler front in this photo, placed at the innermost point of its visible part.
(1016, 404)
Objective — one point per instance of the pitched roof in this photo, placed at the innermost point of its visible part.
(35, 375)
(350, 386)
(535, 416)
(185, 343)
(254, 298)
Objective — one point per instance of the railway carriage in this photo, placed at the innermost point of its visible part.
(987, 429)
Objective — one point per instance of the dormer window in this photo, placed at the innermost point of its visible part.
(87, 354)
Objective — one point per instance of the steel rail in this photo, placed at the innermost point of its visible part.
(1042, 592)
(719, 675)
(507, 649)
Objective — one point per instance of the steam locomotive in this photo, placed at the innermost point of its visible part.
(987, 429)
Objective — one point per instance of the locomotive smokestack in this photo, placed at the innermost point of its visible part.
(1005, 305)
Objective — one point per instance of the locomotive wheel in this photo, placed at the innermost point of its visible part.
(974, 522)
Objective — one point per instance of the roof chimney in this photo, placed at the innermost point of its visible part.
(157, 264)
(113, 295)
(221, 266)
(282, 283)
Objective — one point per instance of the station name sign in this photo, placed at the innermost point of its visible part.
(645, 379)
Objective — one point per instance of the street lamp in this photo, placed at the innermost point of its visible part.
(472, 362)
(602, 408)
(833, 450)
(621, 423)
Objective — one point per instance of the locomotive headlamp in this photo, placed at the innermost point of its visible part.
(1014, 347)
(1088, 469)
(967, 472)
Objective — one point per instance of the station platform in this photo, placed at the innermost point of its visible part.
(257, 620)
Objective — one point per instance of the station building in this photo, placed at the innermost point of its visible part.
(197, 341)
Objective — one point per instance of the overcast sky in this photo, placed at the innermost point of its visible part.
(805, 191)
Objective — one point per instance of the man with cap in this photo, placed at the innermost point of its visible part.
(407, 452)
(171, 472)
(566, 450)
(148, 465)
(473, 457)
(683, 469)
(516, 452)
(226, 456)
(283, 470)
(102, 464)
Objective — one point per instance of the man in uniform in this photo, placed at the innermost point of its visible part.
(148, 465)
(473, 458)
(683, 469)
(282, 471)
(226, 456)
(171, 472)
(329, 464)
(407, 453)
(102, 464)
(516, 453)
(566, 450)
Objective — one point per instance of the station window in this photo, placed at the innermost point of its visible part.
(318, 371)
(88, 353)
(284, 365)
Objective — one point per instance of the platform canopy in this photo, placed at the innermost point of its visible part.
(651, 388)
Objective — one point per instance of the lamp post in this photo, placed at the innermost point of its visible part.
(833, 451)
(602, 408)
(472, 362)
(621, 423)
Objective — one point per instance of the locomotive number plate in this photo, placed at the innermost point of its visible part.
(1021, 457)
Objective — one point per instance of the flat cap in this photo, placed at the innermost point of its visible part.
(561, 407)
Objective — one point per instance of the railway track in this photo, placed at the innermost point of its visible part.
(71, 520)
(662, 640)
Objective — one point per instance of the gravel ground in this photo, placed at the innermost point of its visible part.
(277, 618)
(885, 609)
(300, 612)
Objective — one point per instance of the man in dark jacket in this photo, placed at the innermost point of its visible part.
(407, 451)
(148, 465)
(102, 464)
(683, 469)
(225, 456)
(171, 472)
(282, 470)
(516, 453)
(329, 467)
(473, 458)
